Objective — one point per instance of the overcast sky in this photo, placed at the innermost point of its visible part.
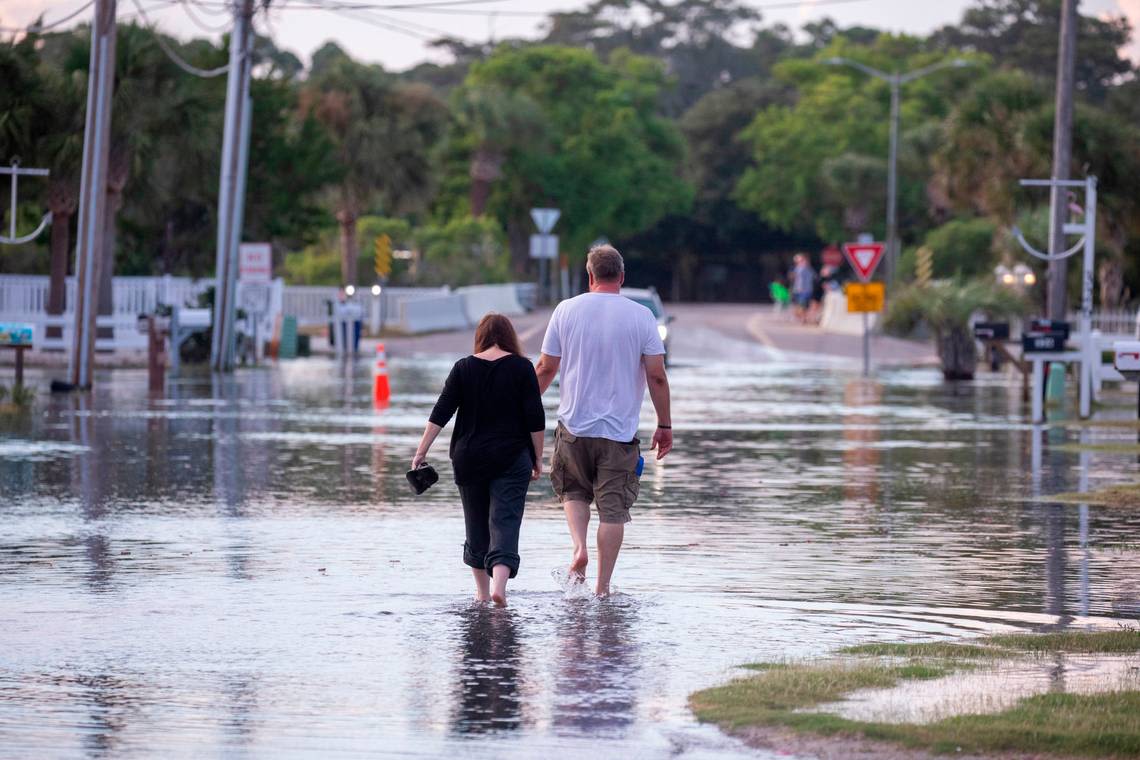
(364, 35)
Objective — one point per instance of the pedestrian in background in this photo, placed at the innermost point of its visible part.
(803, 286)
(496, 449)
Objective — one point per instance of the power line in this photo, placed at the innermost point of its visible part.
(173, 56)
(198, 22)
(40, 27)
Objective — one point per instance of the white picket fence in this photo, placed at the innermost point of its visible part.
(1119, 322)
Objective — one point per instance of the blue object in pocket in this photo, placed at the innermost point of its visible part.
(640, 465)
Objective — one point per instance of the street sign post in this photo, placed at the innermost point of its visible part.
(544, 246)
(864, 258)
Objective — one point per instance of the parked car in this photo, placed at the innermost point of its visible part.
(648, 298)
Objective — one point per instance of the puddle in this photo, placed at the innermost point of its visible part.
(990, 688)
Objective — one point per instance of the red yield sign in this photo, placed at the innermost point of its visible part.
(863, 257)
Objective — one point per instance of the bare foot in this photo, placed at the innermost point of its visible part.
(602, 593)
(499, 598)
(578, 565)
(481, 597)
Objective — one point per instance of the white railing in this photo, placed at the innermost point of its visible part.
(23, 298)
(310, 303)
(28, 294)
(1118, 322)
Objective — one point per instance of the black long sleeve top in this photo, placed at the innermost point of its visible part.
(498, 406)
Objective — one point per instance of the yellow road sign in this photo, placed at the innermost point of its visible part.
(924, 265)
(864, 296)
(383, 248)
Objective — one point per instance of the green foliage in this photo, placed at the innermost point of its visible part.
(946, 305)
(963, 248)
(463, 251)
(817, 164)
(607, 159)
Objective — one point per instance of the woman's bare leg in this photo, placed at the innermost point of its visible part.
(500, 575)
(482, 585)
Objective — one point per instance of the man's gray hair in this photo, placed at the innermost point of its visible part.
(605, 263)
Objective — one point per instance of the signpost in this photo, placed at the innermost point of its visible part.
(544, 246)
(864, 296)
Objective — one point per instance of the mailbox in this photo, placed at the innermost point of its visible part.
(1044, 341)
(991, 330)
(1050, 326)
(1127, 357)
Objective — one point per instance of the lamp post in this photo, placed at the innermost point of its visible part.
(896, 81)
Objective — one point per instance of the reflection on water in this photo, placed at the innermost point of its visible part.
(239, 567)
(490, 684)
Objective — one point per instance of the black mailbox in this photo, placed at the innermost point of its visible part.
(1053, 340)
(991, 330)
(1049, 326)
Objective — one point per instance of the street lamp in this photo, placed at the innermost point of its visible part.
(896, 82)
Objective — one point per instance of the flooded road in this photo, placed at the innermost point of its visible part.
(238, 569)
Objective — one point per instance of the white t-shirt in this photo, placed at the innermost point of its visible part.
(601, 338)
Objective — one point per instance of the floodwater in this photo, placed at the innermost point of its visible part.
(238, 569)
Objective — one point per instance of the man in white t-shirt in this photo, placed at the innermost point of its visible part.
(607, 348)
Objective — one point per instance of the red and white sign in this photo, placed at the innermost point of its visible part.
(255, 262)
(832, 257)
(864, 258)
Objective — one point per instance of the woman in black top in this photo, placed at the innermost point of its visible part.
(496, 449)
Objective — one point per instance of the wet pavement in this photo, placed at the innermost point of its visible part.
(238, 569)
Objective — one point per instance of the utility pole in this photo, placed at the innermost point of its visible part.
(231, 190)
(1062, 158)
(893, 185)
(92, 194)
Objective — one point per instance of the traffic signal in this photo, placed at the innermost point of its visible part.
(383, 248)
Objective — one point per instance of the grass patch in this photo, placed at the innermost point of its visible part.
(778, 695)
(1123, 641)
(1116, 424)
(1124, 495)
(937, 650)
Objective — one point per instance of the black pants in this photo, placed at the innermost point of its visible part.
(493, 513)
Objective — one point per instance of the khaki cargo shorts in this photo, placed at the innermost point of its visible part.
(596, 469)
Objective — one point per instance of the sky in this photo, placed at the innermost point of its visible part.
(397, 38)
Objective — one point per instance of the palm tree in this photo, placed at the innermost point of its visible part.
(493, 119)
(946, 307)
(61, 149)
(383, 134)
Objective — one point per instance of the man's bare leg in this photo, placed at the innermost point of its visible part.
(578, 520)
(500, 574)
(610, 536)
(482, 585)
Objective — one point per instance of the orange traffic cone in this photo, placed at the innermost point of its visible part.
(381, 391)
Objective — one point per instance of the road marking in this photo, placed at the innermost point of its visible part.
(533, 331)
(756, 331)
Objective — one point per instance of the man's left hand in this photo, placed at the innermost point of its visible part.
(662, 442)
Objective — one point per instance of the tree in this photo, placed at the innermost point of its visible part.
(946, 307)
(382, 133)
(811, 160)
(1022, 34)
(694, 39)
(608, 160)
